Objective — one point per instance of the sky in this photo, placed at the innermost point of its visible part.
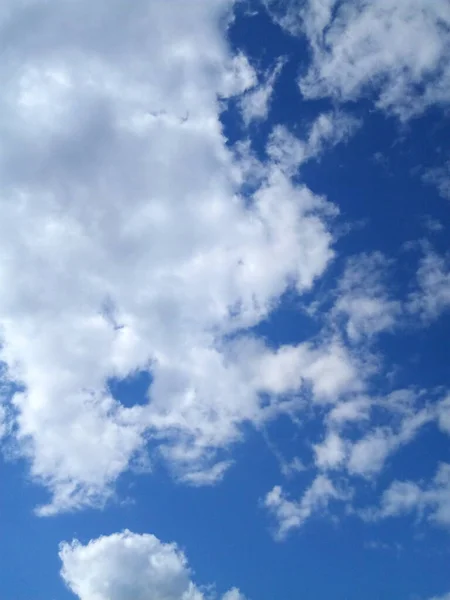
(225, 300)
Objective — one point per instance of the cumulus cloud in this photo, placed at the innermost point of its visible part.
(126, 245)
(290, 515)
(398, 52)
(130, 566)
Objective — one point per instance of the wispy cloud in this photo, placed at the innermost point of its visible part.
(431, 501)
(290, 515)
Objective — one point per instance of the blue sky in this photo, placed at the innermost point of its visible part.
(225, 308)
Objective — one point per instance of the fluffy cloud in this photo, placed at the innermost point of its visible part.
(126, 244)
(290, 515)
(129, 566)
(398, 52)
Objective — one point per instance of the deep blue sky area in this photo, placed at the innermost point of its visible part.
(268, 389)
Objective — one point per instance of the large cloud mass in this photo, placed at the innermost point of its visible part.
(125, 243)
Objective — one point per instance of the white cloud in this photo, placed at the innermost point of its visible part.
(233, 594)
(125, 245)
(350, 411)
(369, 454)
(432, 296)
(432, 500)
(398, 51)
(130, 566)
(329, 369)
(331, 453)
(330, 129)
(353, 442)
(291, 515)
(363, 298)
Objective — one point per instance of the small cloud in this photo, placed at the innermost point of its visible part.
(126, 565)
(432, 294)
(407, 497)
(290, 515)
(439, 177)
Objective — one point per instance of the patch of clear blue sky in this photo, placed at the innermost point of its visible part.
(221, 528)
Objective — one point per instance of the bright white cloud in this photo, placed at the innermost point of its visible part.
(290, 515)
(397, 51)
(125, 244)
(130, 566)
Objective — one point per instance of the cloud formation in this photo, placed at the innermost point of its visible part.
(127, 245)
(396, 53)
(363, 298)
(431, 501)
(134, 238)
(130, 566)
(289, 514)
(432, 294)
